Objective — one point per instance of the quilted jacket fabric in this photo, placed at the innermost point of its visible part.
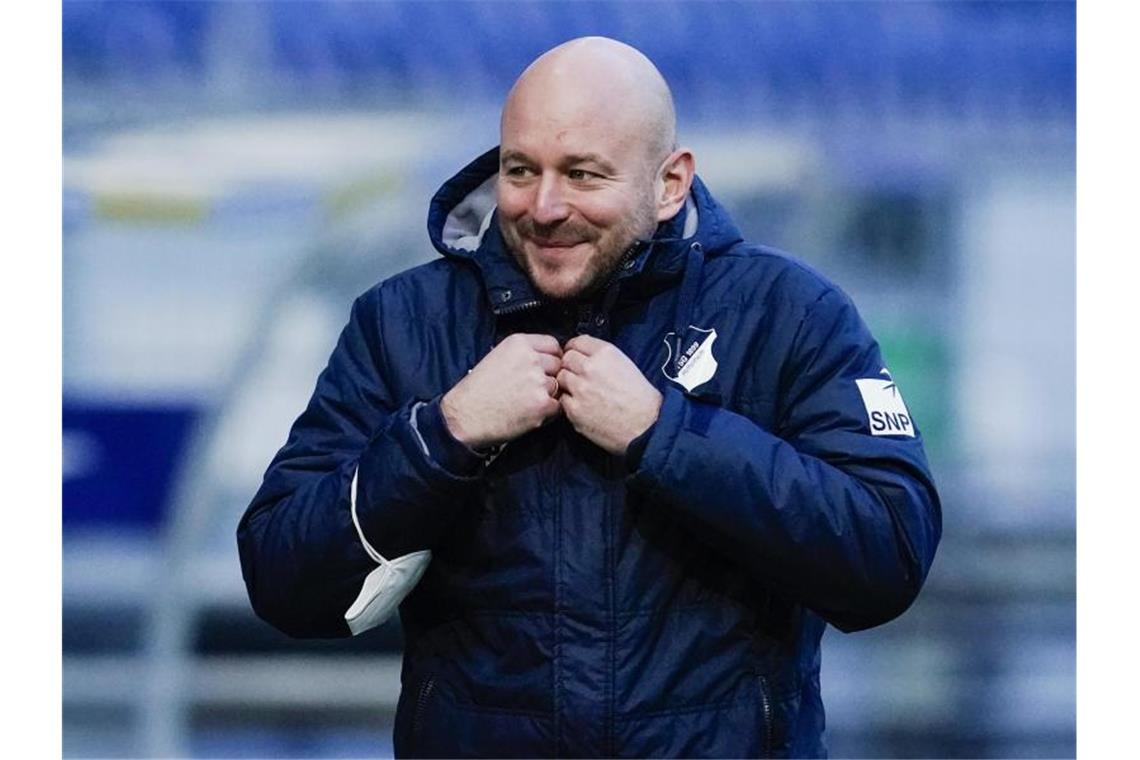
(665, 603)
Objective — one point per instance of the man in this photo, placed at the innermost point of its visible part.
(627, 465)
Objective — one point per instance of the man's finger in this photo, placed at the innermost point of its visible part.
(567, 381)
(586, 344)
(568, 404)
(550, 364)
(574, 360)
(546, 344)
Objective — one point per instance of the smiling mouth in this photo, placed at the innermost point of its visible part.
(554, 247)
(555, 243)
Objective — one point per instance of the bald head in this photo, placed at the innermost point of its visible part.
(601, 79)
(587, 164)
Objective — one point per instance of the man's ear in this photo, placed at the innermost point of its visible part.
(674, 179)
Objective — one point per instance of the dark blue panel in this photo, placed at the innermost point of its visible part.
(119, 462)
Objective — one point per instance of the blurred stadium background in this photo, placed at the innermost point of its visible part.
(235, 173)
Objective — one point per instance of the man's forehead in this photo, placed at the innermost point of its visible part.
(567, 106)
(581, 128)
(568, 146)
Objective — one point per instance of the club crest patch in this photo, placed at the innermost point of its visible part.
(690, 361)
(886, 412)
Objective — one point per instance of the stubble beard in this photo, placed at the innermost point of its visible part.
(601, 266)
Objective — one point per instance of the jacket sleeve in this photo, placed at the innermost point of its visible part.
(821, 510)
(353, 487)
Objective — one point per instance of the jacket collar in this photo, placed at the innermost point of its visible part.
(462, 225)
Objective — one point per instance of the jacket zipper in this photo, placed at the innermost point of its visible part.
(421, 705)
(513, 308)
(628, 256)
(766, 706)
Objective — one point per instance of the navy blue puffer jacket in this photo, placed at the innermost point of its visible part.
(665, 603)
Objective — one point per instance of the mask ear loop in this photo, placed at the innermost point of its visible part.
(375, 555)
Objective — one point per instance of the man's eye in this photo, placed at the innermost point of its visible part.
(580, 174)
(517, 171)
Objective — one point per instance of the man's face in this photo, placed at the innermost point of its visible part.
(575, 191)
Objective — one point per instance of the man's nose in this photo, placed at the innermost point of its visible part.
(550, 201)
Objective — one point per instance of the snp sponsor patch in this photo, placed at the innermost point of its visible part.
(886, 412)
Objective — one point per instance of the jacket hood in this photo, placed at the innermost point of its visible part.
(462, 224)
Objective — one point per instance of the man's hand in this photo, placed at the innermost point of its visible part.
(604, 394)
(509, 393)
